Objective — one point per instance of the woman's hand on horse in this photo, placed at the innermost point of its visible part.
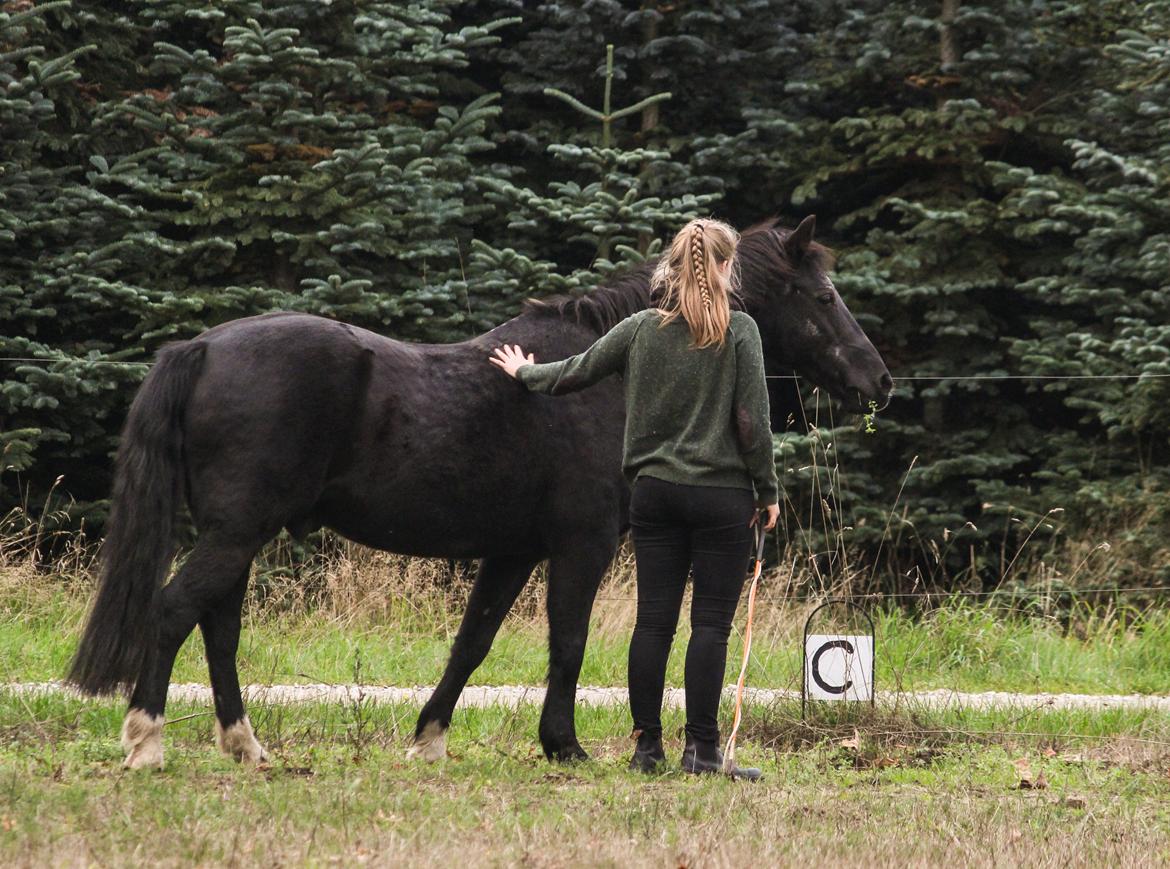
(511, 359)
(773, 511)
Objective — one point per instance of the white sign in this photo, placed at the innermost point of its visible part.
(838, 667)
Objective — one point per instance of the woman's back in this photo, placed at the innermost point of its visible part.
(688, 420)
(693, 415)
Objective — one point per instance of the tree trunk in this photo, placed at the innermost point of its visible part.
(649, 114)
(948, 54)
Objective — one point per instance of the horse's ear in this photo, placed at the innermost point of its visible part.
(800, 238)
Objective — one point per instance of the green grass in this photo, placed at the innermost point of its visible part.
(959, 645)
(847, 787)
(916, 789)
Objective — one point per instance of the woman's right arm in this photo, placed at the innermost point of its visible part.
(606, 356)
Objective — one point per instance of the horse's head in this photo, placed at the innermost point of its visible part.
(803, 322)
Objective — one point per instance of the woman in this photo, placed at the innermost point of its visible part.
(697, 444)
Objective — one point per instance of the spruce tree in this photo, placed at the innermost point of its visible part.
(59, 402)
(991, 175)
(938, 151)
(259, 156)
(311, 162)
(1109, 300)
(605, 204)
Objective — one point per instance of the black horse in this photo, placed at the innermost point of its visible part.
(298, 422)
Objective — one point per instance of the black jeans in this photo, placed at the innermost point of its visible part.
(679, 529)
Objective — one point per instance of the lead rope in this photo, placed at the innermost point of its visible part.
(729, 752)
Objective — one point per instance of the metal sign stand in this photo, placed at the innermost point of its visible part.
(840, 643)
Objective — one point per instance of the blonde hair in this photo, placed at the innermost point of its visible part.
(689, 283)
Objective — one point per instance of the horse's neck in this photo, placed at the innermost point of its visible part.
(547, 332)
(585, 318)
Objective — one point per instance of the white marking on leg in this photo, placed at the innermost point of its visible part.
(142, 740)
(431, 744)
(238, 741)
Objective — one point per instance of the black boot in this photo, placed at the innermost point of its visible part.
(700, 757)
(648, 753)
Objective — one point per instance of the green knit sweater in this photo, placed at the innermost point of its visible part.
(698, 417)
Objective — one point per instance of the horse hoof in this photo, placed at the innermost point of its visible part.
(237, 740)
(430, 745)
(142, 740)
(572, 753)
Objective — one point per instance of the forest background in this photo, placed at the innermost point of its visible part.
(994, 176)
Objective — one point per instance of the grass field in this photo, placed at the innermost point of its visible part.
(916, 789)
(393, 625)
(848, 787)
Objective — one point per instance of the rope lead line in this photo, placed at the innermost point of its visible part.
(729, 753)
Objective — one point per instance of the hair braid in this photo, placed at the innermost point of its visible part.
(695, 279)
(699, 264)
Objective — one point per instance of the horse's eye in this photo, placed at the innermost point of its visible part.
(825, 299)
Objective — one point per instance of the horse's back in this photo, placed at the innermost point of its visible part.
(298, 421)
(275, 400)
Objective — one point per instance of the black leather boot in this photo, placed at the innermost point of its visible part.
(703, 757)
(648, 754)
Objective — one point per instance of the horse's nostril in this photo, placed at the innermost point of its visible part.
(886, 383)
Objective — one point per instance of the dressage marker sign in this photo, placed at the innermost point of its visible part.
(838, 666)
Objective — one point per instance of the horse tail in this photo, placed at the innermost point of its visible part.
(139, 544)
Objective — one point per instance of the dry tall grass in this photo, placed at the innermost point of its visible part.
(811, 561)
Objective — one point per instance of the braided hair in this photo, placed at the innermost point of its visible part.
(690, 280)
(698, 263)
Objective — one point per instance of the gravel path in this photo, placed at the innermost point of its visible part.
(515, 695)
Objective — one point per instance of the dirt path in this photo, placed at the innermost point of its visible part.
(514, 695)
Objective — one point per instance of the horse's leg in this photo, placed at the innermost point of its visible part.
(573, 577)
(211, 572)
(221, 638)
(496, 587)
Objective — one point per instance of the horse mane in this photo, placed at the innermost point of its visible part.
(762, 260)
(603, 308)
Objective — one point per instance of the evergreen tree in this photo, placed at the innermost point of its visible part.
(1110, 298)
(934, 149)
(267, 156)
(310, 163)
(717, 61)
(59, 406)
(991, 174)
(612, 214)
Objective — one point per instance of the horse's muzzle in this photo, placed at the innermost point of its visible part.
(876, 390)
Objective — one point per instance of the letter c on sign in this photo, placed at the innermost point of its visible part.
(816, 669)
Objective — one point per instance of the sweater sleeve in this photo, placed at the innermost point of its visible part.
(606, 356)
(753, 426)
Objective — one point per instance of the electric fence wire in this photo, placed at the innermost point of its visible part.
(1144, 376)
(871, 597)
(1013, 595)
(910, 377)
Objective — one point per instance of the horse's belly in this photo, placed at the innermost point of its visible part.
(440, 538)
(475, 478)
(431, 522)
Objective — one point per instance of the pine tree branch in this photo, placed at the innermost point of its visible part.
(35, 12)
(575, 103)
(641, 104)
